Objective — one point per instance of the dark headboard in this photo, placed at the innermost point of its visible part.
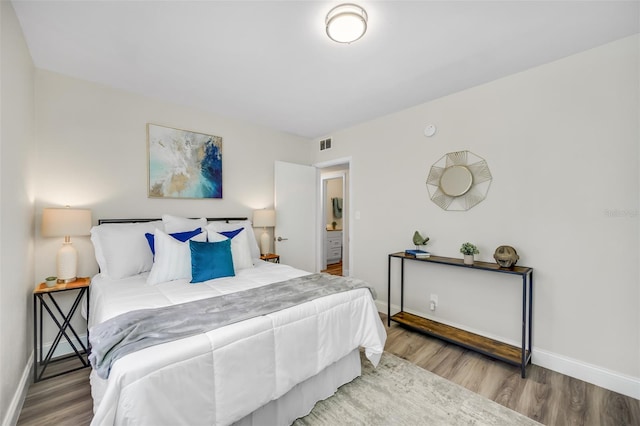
(209, 219)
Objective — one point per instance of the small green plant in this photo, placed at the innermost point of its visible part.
(51, 278)
(468, 248)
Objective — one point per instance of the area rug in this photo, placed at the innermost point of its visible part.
(399, 393)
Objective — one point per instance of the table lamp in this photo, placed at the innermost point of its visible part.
(66, 222)
(263, 218)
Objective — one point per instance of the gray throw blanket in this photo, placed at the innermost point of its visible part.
(135, 330)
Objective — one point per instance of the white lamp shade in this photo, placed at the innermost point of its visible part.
(263, 218)
(65, 222)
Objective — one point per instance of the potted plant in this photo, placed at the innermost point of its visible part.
(468, 250)
(51, 281)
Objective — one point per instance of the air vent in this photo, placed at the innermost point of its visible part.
(325, 144)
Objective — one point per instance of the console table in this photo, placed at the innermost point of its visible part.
(518, 356)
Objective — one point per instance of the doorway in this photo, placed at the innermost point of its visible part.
(334, 223)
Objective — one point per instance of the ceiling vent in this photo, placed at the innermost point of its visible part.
(325, 144)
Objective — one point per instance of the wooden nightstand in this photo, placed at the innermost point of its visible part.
(62, 321)
(270, 257)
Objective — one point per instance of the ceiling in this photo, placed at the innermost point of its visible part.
(271, 63)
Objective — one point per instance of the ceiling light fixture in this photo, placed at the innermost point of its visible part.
(346, 23)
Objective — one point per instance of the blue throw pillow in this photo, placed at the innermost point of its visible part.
(211, 260)
(180, 236)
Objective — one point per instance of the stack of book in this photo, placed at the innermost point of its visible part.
(419, 254)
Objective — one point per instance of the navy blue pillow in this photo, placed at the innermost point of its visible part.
(231, 234)
(180, 236)
(211, 260)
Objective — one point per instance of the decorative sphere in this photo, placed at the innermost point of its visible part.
(506, 256)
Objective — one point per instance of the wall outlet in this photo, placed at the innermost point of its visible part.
(433, 303)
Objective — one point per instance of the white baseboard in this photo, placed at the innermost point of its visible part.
(614, 381)
(64, 348)
(13, 413)
(599, 376)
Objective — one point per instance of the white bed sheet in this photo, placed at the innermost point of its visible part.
(221, 376)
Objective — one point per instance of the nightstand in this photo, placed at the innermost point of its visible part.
(270, 257)
(44, 300)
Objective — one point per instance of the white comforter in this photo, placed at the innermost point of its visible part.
(219, 377)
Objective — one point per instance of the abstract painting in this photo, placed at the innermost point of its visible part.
(183, 164)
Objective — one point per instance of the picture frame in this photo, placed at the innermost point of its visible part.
(183, 163)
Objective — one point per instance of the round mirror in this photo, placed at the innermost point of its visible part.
(456, 181)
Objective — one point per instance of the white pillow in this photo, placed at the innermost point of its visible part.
(219, 226)
(240, 251)
(173, 224)
(173, 258)
(121, 248)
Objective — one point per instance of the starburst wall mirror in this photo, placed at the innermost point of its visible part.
(459, 180)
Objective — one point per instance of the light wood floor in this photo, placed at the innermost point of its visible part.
(334, 269)
(62, 401)
(546, 396)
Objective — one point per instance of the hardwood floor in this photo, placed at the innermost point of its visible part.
(334, 269)
(62, 401)
(546, 396)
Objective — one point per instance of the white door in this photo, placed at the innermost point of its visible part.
(296, 209)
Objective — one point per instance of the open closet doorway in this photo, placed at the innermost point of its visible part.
(334, 211)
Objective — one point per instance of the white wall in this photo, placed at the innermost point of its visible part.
(561, 141)
(91, 152)
(96, 138)
(16, 213)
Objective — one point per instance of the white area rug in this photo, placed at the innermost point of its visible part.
(399, 393)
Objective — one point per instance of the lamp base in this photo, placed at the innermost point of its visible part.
(67, 262)
(264, 242)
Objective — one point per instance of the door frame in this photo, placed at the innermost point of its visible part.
(320, 226)
(324, 178)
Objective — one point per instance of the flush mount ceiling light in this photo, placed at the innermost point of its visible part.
(346, 23)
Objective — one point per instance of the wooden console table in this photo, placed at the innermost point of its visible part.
(518, 356)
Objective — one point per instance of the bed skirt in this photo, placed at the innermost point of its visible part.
(296, 403)
(301, 399)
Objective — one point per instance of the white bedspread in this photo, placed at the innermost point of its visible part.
(219, 377)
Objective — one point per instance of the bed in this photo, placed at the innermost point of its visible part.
(268, 369)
